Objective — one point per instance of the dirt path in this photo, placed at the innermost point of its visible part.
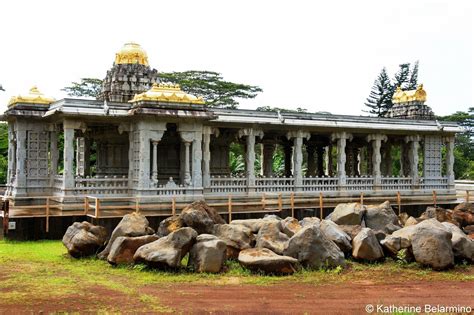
(288, 298)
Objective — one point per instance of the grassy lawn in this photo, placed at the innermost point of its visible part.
(36, 271)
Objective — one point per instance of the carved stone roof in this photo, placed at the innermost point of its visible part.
(167, 92)
(33, 97)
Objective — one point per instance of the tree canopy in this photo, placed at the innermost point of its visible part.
(212, 87)
(89, 87)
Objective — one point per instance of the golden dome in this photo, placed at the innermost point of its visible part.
(131, 53)
(418, 95)
(33, 97)
(167, 92)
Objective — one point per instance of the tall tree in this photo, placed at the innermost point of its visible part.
(212, 87)
(281, 110)
(89, 87)
(413, 81)
(380, 97)
(401, 77)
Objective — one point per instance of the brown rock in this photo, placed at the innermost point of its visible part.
(263, 259)
(169, 225)
(124, 247)
(465, 207)
(463, 218)
(351, 230)
(201, 205)
(84, 239)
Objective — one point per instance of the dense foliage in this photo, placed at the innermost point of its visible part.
(88, 87)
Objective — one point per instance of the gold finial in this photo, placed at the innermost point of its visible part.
(33, 97)
(418, 95)
(131, 53)
(167, 92)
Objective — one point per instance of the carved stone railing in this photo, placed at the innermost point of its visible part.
(359, 183)
(274, 184)
(320, 184)
(101, 185)
(396, 183)
(433, 183)
(58, 181)
(169, 189)
(228, 184)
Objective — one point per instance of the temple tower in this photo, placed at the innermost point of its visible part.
(129, 75)
(410, 105)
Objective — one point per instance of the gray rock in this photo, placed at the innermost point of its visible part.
(202, 206)
(335, 234)
(463, 246)
(198, 220)
(351, 230)
(237, 237)
(271, 217)
(290, 226)
(391, 245)
(406, 234)
(208, 254)
(264, 260)
(348, 214)
(432, 246)
(124, 247)
(308, 221)
(411, 221)
(168, 251)
(253, 224)
(84, 239)
(133, 224)
(382, 218)
(169, 225)
(271, 237)
(366, 246)
(313, 249)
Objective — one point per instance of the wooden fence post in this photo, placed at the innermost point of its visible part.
(97, 206)
(321, 210)
(280, 203)
(173, 206)
(467, 195)
(399, 203)
(47, 214)
(292, 202)
(361, 199)
(229, 207)
(434, 198)
(263, 201)
(137, 205)
(86, 205)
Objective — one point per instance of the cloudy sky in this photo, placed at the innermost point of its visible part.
(322, 56)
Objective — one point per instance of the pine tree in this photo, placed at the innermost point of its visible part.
(401, 77)
(413, 81)
(380, 97)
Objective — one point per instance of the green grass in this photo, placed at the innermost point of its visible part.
(44, 270)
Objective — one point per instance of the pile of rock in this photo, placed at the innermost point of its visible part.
(281, 246)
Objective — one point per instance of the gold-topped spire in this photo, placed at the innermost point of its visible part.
(33, 97)
(418, 95)
(167, 92)
(131, 53)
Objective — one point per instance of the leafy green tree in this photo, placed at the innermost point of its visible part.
(380, 97)
(89, 87)
(281, 110)
(212, 87)
(464, 148)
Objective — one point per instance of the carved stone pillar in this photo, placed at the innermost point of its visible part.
(311, 160)
(450, 160)
(21, 158)
(154, 173)
(268, 149)
(196, 158)
(298, 154)
(414, 145)
(250, 135)
(187, 169)
(148, 131)
(341, 138)
(53, 136)
(11, 154)
(376, 140)
(206, 157)
(68, 180)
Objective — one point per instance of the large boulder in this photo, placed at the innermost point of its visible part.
(410, 221)
(264, 260)
(124, 247)
(169, 225)
(382, 218)
(391, 245)
(237, 238)
(313, 249)
(348, 214)
(290, 226)
(366, 246)
(351, 230)
(464, 218)
(406, 234)
(463, 246)
(253, 224)
(168, 251)
(335, 234)
(202, 206)
(432, 246)
(134, 224)
(308, 221)
(84, 239)
(271, 237)
(438, 213)
(208, 254)
(465, 207)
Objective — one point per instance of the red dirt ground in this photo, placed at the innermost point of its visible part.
(288, 298)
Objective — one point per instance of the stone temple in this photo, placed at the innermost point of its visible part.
(150, 143)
